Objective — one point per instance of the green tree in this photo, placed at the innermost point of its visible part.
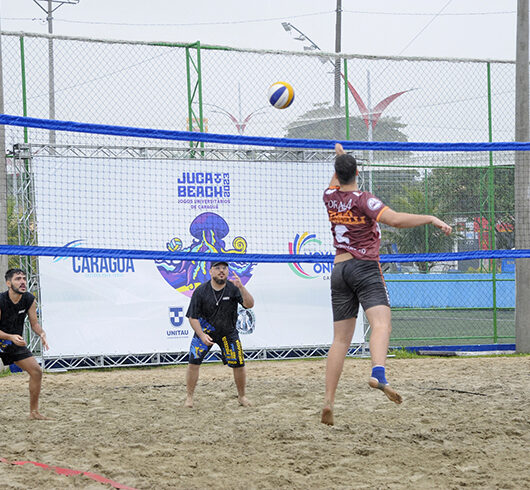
(462, 193)
(387, 183)
(422, 239)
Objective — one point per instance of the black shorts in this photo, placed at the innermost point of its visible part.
(356, 281)
(14, 353)
(231, 350)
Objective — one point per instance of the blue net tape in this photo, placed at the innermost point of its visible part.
(256, 141)
(258, 258)
(49, 124)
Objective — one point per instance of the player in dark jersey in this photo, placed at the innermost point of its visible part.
(212, 314)
(15, 304)
(357, 277)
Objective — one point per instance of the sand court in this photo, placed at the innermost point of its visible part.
(463, 422)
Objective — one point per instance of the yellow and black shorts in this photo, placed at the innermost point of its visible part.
(231, 350)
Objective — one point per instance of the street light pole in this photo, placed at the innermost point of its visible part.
(370, 129)
(4, 259)
(240, 123)
(51, 75)
(337, 81)
(338, 24)
(522, 180)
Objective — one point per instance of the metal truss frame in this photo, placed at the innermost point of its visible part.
(24, 195)
(24, 210)
(55, 364)
(235, 153)
(238, 153)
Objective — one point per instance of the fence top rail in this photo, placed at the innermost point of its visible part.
(214, 47)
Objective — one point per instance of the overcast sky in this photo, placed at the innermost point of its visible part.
(437, 28)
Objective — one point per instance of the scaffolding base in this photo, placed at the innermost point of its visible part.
(56, 364)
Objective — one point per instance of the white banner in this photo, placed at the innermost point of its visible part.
(93, 306)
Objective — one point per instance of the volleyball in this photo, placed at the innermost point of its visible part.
(281, 95)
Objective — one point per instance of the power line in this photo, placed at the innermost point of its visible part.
(428, 14)
(185, 24)
(267, 19)
(425, 27)
(357, 12)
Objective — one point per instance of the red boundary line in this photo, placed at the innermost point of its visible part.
(67, 472)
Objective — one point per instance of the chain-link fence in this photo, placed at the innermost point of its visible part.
(160, 86)
(223, 90)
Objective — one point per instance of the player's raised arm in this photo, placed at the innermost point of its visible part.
(248, 300)
(339, 150)
(408, 220)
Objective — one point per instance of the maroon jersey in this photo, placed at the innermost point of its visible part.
(354, 219)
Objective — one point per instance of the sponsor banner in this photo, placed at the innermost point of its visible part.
(93, 306)
(87, 313)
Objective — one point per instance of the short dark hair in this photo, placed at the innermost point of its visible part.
(345, 168)
(11, 272)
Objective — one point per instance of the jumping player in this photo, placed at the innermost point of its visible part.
(357, 276)
(15, 304)
(213, 315)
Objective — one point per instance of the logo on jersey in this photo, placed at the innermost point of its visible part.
(309, 244)
(209, 231)
(374, 203)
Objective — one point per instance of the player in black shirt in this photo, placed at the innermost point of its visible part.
(15, 304)
(213, 316)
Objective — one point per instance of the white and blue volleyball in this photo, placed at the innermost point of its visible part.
(281, 95)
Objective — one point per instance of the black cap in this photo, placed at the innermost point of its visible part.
(220, 262)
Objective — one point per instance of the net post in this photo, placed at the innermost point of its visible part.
(491, 209)
(346, 99)
(522, 182)
(3, 178)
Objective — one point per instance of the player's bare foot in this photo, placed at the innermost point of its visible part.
(327, 416)
(35, 415)
(390, 392)
(189, 402)
(243, 401)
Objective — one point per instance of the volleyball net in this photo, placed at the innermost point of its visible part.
(176, 203)
(116, 225)
(143, 224)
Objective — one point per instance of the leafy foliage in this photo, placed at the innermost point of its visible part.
(422, 239)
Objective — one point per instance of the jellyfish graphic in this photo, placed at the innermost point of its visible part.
(208, 231)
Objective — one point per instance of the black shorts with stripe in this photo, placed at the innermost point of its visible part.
(356, 281)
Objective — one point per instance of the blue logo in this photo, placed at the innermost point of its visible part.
(101, 265)
(176, 318)
(97, 266)
(214, 185)
(209, 231)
